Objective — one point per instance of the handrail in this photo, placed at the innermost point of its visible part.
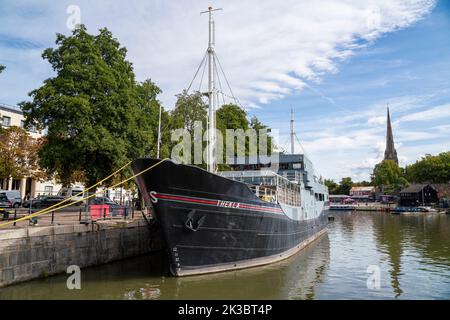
(47, 210)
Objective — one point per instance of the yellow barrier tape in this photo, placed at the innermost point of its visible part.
(44, 211)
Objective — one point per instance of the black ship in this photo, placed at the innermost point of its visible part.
(253, 215)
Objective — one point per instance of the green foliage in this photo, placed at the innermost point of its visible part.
(189, 108)
(345, 185)
(231, 116)
(147, 93)
(389, 177)
(258, 125)
(97, 116)
(430, 169)
(333, 187)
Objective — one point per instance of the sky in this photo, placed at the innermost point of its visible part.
(337, 63)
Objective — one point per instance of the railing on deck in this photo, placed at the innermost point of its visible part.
(269, 186)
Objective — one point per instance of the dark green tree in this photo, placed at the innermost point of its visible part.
(388, 177)
(91, 109)
(258, 125)
(189, 108)
(147, 93)
(430, 169)
(333, 187)
(345, 185)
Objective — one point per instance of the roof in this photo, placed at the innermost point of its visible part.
(10, 109)
(369, 189)
(280, 158)
(414, 188)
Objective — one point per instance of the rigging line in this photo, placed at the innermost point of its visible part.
(201, 79)
(198, 69)
(304, 151)
(231, 97)
(228, 84)
(45, 211)
(218, 80)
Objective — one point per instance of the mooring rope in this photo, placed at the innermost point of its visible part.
(47, 210)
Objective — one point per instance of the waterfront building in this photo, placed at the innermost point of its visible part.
(12, 116)
(418, 194)
(390, 153)
(363, 193)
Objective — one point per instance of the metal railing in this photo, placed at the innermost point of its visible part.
(270, 186)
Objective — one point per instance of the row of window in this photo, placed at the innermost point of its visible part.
(6, 122)
(320, 197)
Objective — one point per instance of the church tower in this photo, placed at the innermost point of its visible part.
(390, 153)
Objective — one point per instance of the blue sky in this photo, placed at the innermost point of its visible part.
(338, 64)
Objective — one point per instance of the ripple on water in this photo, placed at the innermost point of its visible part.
(411, 253)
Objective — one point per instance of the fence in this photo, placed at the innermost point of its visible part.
(85, 214)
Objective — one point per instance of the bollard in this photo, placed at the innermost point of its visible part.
(104, 214)
(132, 213)
(15, 217)
(79, 217)
(53, 216)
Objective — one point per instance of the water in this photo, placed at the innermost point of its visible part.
(411, 253)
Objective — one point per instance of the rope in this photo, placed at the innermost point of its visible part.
(198, 69)
(44, 211)
(226, 80)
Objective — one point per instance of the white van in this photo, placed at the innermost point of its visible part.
(73, 191)
(13, 196)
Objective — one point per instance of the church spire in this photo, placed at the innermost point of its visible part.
(390, 153)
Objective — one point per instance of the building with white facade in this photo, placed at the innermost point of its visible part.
(13, 116)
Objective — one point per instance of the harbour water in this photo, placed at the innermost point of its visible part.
(409, 253)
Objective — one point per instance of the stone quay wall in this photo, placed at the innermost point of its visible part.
(36, 252)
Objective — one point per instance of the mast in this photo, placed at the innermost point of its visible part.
(159, 132)
(292, 131)
(211, 148)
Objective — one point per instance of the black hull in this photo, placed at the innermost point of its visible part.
(212, 224)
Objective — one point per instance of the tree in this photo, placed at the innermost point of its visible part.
(258, 125)
(345, 185)
(231, 116)
(333, 187)
(430, 169)
(19, 155)
(189, 108)
(388, 177)
(147, 93)
(90, 108)
(2, 67)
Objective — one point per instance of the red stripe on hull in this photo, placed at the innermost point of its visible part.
(217, 203)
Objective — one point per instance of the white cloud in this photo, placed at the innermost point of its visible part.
(268, 48)
(442, 111)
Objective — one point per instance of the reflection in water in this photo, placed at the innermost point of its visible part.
(422, 239)
(293, 278)
(389, 235)
(412, 252)
(145, 278)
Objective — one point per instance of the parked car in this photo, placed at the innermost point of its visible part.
(13, 197)
(71, 192)
(43, 201)
(4, 202)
